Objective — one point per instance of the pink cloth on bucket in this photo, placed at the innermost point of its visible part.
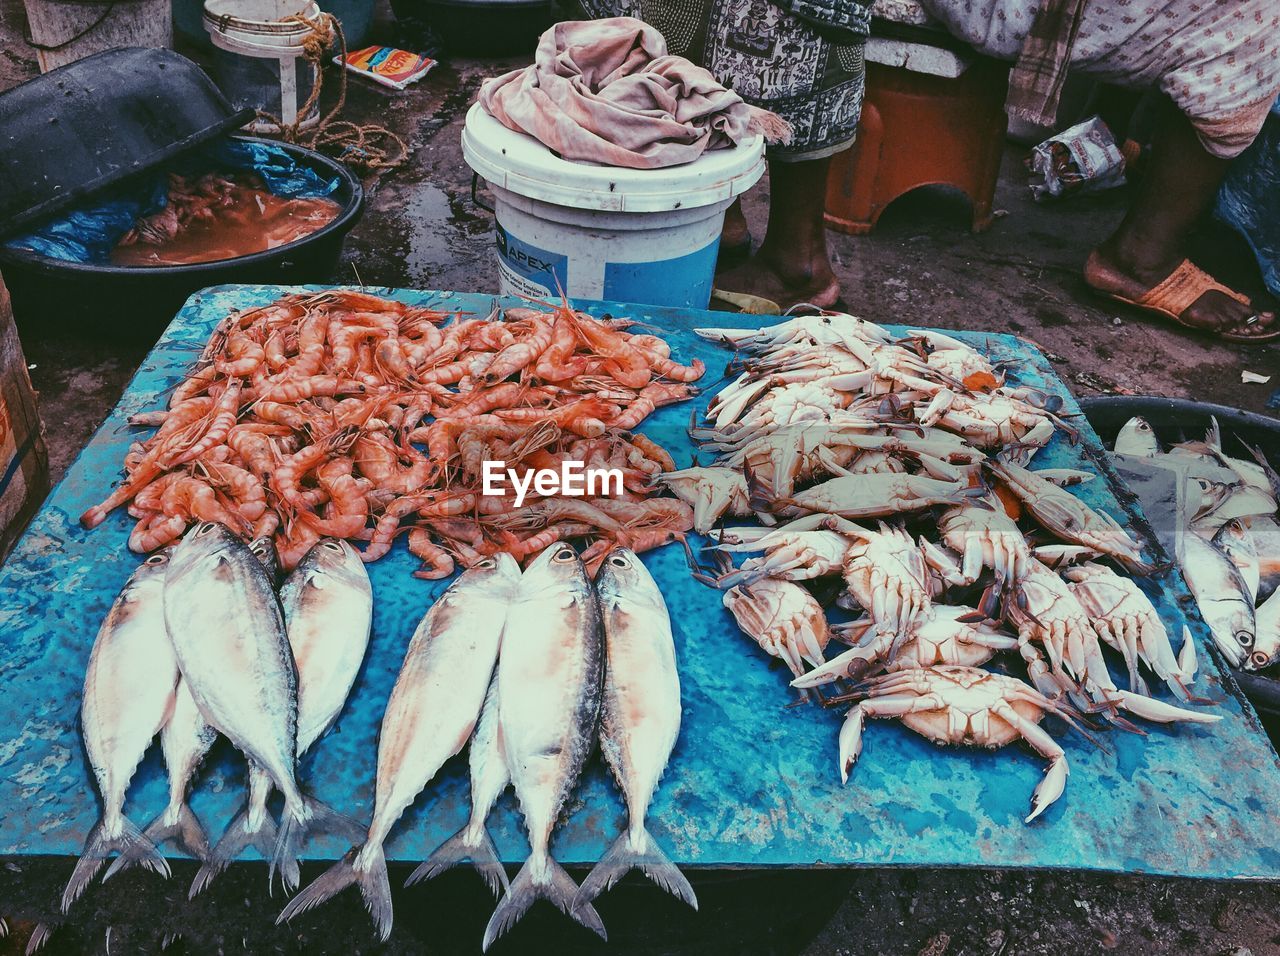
(605, 91)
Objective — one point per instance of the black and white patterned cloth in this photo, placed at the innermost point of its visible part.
(772, 58)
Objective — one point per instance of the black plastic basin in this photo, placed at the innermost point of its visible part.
(137, 303)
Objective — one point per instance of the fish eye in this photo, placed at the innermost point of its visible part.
(487, 563)
(206, 528)
(333, 546)
(618, 561)
(1144, 426)
(565, 555)
(1245, 638)
(157, 559)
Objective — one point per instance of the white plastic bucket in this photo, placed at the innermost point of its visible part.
(259, 58)
(648, 236)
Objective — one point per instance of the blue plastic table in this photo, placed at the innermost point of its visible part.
(753, 781)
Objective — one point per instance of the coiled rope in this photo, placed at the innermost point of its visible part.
(365, 146)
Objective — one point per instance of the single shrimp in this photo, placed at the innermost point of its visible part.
(243, 487)
(193, 499)
(652, 450)
(519, 354)
(652, 397)
(155, 532)
(436, 561)
(626, 364)
(223, 417)
(295, 390)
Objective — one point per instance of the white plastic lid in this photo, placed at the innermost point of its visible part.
(519, 163)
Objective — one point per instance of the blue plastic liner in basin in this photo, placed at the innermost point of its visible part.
(88, 234)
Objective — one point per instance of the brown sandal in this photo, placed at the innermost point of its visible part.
(1179, 291)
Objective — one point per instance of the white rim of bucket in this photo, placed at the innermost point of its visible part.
(262, 30)
(522, 165)
(267, 49)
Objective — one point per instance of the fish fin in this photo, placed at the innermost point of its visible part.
(99, 846)
(233, 842)
(558, 888)
(186, 832)
(457, 849)
(649, 859)
(39, 936)
(375, 888)
(319, 818)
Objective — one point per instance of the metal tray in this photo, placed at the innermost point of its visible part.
(753, 781)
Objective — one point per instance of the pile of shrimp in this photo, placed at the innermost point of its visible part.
(342, 414)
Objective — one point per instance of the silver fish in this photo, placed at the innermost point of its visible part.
(1221, 593)
(1137, 438)
(1266, 647)
(549, 686)
(1236, 541)
(489, 777)
(639, 718)
(128, 693)
(328, 608)
(229, 634)
(184, 741)
(1265, 531)
(433, 709)
(264, 549)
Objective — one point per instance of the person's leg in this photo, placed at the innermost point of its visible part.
(735, 233)
(792, 264)
(1180, 183)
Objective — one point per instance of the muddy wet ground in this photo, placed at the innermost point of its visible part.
(921, 266)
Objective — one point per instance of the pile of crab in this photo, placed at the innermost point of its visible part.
(347, 415)
(890, 478)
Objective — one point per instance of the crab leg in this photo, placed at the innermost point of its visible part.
(1055, 777)
(890, 706)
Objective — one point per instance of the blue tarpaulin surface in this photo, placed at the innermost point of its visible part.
(753, 781)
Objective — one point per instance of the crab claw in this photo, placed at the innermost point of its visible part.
(850, 741)
(1160, 712)
(1187, 661)
(1050, 788)
(853, 664)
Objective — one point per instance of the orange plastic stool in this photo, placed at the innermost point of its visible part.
(918, 130)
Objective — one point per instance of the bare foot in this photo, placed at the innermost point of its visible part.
(1212, 312)
(762, 275)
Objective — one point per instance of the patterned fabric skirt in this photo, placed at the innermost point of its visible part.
(770, 58)
(1218, 60)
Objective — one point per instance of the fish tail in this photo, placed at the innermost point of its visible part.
(462, 846)
(364, 866)
(552, 884)
(647, 857)
(295, 828)
(39, 936)
(99, 846)
(181, 826)
(238, 836)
